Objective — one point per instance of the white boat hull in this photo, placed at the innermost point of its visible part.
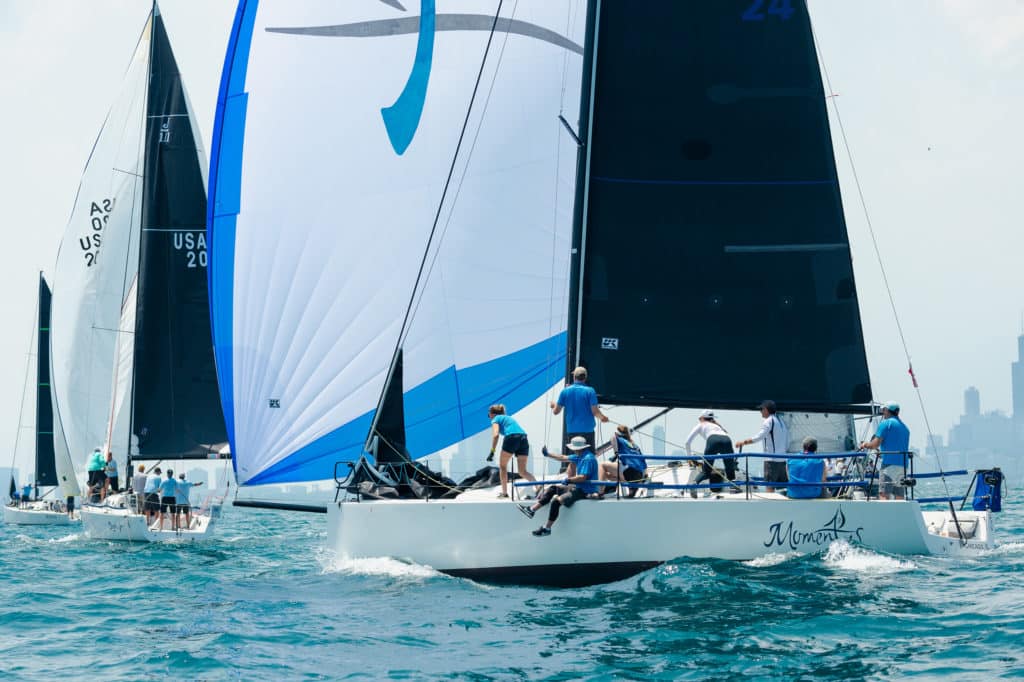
(38, 514)
(598, 541)
(118, 523)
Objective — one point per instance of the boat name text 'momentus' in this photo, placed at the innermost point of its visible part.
(783, 534)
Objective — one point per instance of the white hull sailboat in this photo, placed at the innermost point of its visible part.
(144, 384)
(38, 513)
(54, 471)
(646, 190)
(118, 519)
(604, 540)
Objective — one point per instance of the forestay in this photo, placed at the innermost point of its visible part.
(354, 117)
(717, 268)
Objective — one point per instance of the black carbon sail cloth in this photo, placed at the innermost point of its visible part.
(176, 406)
(716, 266)
(46, 466)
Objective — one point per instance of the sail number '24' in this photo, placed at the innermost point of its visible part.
(783, 9)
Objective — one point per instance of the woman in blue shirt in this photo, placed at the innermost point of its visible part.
(514, 443)
(631, 465)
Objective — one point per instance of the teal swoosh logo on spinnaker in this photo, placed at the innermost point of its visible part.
(402, 119)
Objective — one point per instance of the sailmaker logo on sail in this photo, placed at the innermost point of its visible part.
(402, 119)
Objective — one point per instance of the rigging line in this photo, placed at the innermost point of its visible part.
(465, 169)
(878, 256)
(24, 386)
(437, 218)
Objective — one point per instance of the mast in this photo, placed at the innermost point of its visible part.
(21, 408)
(578, 243)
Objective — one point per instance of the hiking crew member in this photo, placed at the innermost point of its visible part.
(774, 437)
(573, 488)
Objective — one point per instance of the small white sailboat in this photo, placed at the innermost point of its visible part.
(381, 275)
(137, 372)
(54, 473)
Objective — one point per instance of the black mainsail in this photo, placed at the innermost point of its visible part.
(176, 410)
(46, 466)
(716, 268)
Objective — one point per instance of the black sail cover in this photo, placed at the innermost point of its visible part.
(716, 267)
(46, 467)
(176, 406)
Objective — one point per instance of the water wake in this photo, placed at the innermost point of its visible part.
(844, 556)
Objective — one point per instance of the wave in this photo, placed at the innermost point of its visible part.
(846, 557)
(769, 560)
(73, 537)
(376, 566)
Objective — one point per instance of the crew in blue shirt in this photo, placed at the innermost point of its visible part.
(152, 495)
(892, 439)
(168, 500)
(580, 404)
(182, 493)
(809, 470)
(514, 442)
(573, 488)
(631, 465)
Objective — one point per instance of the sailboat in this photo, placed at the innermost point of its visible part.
(387, 260)
(137, 371)
(53, 471)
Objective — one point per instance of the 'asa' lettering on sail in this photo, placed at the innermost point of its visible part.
(99, 214)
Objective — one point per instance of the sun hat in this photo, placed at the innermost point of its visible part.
(578, 443)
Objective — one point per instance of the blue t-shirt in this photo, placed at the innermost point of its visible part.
(630, 455)
(577, 401)
(183, 491)
(110, 468)
(168, 487)
(587, 466)
(26, 492)
(507, 426)
(152, 483)
(895, 438)
(808, 470)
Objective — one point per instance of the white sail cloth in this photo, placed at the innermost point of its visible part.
(95, 265)
(342, 144)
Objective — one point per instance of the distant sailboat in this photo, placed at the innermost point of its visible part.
(145, 287)
(687, 244)
(54, 486)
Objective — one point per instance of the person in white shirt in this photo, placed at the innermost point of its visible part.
(139, 488)
(774, 437)
(716, 442)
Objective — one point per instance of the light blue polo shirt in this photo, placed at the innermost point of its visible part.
(587, 466)
(577, 401)
(110, 468)
(183, 491)
(507, 426)
(152, 483)
(895, 437)
(168, 487)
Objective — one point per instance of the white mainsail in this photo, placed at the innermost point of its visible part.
(95, 265)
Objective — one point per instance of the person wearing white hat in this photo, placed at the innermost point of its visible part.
(716, 442)
(573, 488)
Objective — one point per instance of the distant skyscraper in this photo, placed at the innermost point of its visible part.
(972, 402)
(1017, 380)
(659, 441)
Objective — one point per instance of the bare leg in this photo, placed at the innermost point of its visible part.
(503, 461)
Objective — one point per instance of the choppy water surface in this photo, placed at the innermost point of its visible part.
(263, 602)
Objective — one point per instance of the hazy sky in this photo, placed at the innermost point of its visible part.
(931, 93)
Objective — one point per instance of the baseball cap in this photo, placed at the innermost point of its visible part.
(893, 407)
(707, 414)
(767, 405)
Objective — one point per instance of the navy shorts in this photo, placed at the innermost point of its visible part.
(169, 504)
(517, 444)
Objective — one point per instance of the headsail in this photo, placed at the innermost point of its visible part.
(176, 409)
(717, 268)
(417, 205)
(95, 264)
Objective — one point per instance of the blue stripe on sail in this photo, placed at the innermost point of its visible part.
(448, 407)
(402, 118)
(224, 202)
